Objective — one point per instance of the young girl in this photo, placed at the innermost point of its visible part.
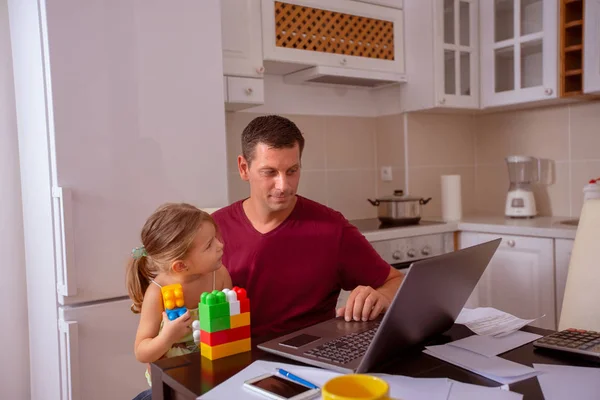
(179, 245)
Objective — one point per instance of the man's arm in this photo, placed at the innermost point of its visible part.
(366, 303)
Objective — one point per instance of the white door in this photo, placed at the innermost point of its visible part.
(519, 51)
(241, 31)
(456, 48)
(519, 278)
(591, 47)
(137, 119)
(562, 256)
(96, 346)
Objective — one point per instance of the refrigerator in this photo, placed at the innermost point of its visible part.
(119, 109)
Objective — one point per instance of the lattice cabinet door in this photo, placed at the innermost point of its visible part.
(340, 33)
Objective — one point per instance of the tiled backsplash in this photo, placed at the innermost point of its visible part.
(568, 135)
(339, 164)
(343, 156)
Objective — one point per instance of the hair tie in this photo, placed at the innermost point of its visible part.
(138, 252)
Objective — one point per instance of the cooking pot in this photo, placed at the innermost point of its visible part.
(399, 209)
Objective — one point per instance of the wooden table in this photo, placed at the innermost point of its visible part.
(189, 376)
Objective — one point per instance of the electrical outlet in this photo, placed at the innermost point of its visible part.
(386, 174)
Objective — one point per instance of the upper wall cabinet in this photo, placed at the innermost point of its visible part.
(591, 44)
(243, 86)
(241, 35)
(386, 3)
(442, 38)
(519, 51)
(337, 33)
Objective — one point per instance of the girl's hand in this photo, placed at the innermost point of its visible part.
(174, 330)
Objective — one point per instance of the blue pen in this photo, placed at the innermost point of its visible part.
(295, 378)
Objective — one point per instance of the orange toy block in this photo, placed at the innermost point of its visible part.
(240, 320)
(226, 336)
(224, 350)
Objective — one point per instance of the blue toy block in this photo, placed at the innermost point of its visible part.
(175, 313)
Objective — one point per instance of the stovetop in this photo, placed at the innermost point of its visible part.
(373, 224)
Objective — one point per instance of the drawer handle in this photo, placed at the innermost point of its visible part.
(343, 61)
(511, 243)
(249, 91)
(260, 69)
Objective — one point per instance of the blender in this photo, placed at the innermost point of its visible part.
(523, 171)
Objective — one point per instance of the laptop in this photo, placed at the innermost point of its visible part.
(431, 296)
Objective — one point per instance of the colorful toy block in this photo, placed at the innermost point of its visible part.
(224, 329)
(226, 336)
(224, 350)
(240, 320)
(173, 301)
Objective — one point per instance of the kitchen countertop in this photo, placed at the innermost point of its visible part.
(550, 227)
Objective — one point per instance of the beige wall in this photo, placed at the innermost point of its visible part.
(341, 159)
(440, 144)
(567, 136)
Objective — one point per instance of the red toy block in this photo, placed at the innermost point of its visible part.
(226, 336)
(244, 306)
(241, 293)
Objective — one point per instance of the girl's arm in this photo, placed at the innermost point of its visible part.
(150, 345)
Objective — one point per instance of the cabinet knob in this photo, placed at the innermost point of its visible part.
(548, 92)
(343, 61)
(442, 100)
(511, 243)
(260, 70)
(249, 91)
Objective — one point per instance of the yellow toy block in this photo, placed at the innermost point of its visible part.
(238, 320)
(224, 350)
(173, 300)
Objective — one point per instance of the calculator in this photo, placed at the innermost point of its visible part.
(578, 341)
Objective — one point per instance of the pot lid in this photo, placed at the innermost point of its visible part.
(398, 196)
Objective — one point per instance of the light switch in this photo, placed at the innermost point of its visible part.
(386, 173)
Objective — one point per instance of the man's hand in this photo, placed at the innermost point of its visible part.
(363, 304)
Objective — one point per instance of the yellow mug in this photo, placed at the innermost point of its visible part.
(356, 387)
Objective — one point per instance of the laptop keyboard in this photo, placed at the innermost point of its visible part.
(344, 349)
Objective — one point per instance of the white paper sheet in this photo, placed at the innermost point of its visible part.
(559, 382)
(401, 387)
(465, 391)
(490, 321)
(492, 346)
(494, 368)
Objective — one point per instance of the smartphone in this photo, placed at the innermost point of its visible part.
(280, 388)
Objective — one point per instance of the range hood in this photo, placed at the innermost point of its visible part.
(344, 76)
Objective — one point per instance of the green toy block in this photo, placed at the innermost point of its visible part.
(215, 324)
(213, 306)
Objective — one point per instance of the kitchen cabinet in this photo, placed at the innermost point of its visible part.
(387, 3)
(562, 256)
(519, 278)
(519, 51)
(243, 93)
(343, 33)
(442, 38)
(591, 47)
(241, 38)
(243, 86)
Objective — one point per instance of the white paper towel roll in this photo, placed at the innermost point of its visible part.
(451, 198)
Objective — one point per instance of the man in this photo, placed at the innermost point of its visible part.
(291, 254)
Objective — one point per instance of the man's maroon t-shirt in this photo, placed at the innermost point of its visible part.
(293, 274)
